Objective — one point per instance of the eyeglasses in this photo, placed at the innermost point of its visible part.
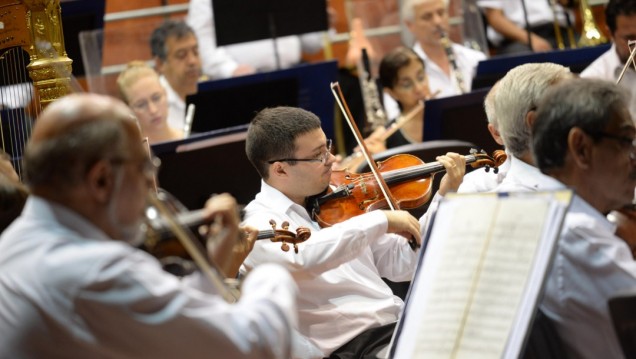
(144, 104)
(631, 142)
(322, 158)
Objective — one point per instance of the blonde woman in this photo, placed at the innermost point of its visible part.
(140, 87)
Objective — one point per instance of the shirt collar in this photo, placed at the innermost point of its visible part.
(41, 209)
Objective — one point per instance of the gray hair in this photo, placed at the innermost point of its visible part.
(518, 93)
(588, 104)
(489, 106)
(170, 28)
(273, 132)
(407, 11)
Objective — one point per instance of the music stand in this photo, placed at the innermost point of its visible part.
(263, 19)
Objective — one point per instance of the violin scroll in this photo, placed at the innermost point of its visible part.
(285, 236)
(483, 160)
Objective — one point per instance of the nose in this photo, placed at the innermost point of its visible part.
(331, 158)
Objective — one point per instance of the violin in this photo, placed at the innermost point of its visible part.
(170, 237)
(161, 242)
(625, 220)
(409, 180)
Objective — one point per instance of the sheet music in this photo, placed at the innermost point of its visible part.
(468, 296)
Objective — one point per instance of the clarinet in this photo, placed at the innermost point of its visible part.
(376, 117)
(446, 43)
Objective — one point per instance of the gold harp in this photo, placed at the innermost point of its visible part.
(34, 67)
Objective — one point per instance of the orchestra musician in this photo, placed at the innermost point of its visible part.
(516, 98)
(481, 180)
(403, 77)
(345, 309)
(175, 50)
(620, 17)
(71, 284)
(141, 89)
(507, 24)
(446, 63)
(13, 193)
(584, 138)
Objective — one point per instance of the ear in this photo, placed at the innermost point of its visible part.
(100, 181)
(495, 134)
(278, 170)
(159, 64)
(531, 116)
(580, 147)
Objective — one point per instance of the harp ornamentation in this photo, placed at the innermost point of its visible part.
(34, 67)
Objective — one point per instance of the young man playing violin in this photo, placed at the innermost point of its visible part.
(345, 309)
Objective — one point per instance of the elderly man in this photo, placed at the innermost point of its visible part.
(71, 285)
(584, 138)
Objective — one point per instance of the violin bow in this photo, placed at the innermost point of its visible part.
(337, 93)
(393, 205)
(630, 59)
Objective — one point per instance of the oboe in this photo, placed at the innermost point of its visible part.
(459, 78)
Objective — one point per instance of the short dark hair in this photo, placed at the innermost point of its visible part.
(588, 104)
(272, 134)
(393, 61)
(170, 28)
(618, 7)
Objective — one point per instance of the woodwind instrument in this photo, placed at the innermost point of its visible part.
(448, 47)
(373, 108)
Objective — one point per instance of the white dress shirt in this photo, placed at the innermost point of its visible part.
(68, 291)
(466, 60)
(608, 66)
(522, 177)
(539, 13)
(591, 265)
(481, 181)
(338, 269)
(176, 106)
(220, 62)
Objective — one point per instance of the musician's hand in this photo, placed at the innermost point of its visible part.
(404, 224)
(374, 144)
(540, 44)
(223, 234)
(240, 251)
(242, 70)
(455, 166)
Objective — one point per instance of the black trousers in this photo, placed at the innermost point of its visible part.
(366, 344)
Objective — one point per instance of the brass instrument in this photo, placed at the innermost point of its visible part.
(590, 34)
(448, 47)
(557, 28)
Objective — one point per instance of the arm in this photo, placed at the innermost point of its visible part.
(215, 60)
(500, 23)
(134, 293)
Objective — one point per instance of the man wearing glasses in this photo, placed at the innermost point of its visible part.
(72, 286)
(584, 138)
(345, 309)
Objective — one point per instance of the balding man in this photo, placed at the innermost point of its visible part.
(71, 285)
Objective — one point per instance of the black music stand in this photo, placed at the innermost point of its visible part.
(237, 21)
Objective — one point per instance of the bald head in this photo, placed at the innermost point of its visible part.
(72, 134)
